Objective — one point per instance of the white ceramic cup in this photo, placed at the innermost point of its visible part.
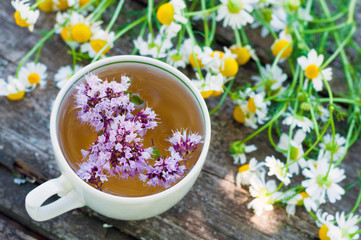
(75, 193)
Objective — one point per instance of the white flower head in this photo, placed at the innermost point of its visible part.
(156, 48)
(33, 74)
(24, 16)
(296, 150)
(239, 150)
(338, 147)
(276, 16)
(247, 171)
(235, 13)
(63, 74)
(171, 17)
(277, 168)
(180, 58)
(13, 88)
(345, 227)
(274, 80)
(97, 42)
(319, 185)
(298, 120)
(264, 194)
(312, 67)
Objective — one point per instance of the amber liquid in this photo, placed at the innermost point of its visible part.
(172, 101)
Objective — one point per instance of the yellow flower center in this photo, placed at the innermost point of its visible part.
(165, 14)
(46, 6)
(279, 45)
(312, 71)
(81, 33)
(193, 60)
(98, 44)
(62, 5)
(229, 67)
(251, 105)
(19, 21)
(322, 233)
(16, 96)
(239, 115)
(234, 6)
(33, 78)
(219, 53)
(243, 168)
(243, 54)
(65, 34)
(304, 195)
(263, 193)
(83, 2)
(206, 94)
(216, 93)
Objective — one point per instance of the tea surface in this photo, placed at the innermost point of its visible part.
(176, 109)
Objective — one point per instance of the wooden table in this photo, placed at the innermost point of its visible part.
(213, 209)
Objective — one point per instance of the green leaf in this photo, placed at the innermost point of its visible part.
(156, 153)
(136, 99)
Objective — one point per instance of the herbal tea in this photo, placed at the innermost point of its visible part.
(151, 118)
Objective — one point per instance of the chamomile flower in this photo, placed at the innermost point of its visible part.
(322, 113)
(275, 16)
(97, 42)
(170, 15)
(345, 227)
(63, 74)
(229, 65)
(63, 5)
(295, 200)
(282, 44)
(298, 120)
(13, 89)
(322, 182)
(296, 150)
(338, 147)
(239, 150)
(264, 194)
(277, 168)
(235, 13)
(312, 67)
(33, 74)
(24, 15)
(324, 221)
(211, 86)
(156, 48)
(244, 53)
(274, 79)
(201, 57)
(78, 30)
(247, 171)
(251, 108)
(180, 58)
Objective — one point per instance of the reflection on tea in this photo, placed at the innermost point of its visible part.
(152, 152)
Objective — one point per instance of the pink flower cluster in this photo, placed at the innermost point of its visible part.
(118, 150)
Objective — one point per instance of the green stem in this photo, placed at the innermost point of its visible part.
(36, 59)
(351, 11)
(191, 35)
(149, 18)
(340, 47)
(99, 9)
(357, 204)
(328, 20)
(259, 130)
(226, 92)
(205, 24)
(36, 4)
(35, 48)
(205, 11)
(326, 29)
(237, 37)
(348, 139)
(115, 15)
(118, 35)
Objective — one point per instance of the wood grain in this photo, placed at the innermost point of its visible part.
(213, 209)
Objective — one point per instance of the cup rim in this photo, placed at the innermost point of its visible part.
(64, 166)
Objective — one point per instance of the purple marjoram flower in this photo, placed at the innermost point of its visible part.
(165, 171)
(184, 144)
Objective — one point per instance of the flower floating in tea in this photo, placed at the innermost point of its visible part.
(109, 108)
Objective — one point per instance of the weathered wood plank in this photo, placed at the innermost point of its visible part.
(213, 209)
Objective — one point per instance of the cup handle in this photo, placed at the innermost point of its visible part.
(69, 199)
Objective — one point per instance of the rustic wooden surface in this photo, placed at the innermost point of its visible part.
(213, 209)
